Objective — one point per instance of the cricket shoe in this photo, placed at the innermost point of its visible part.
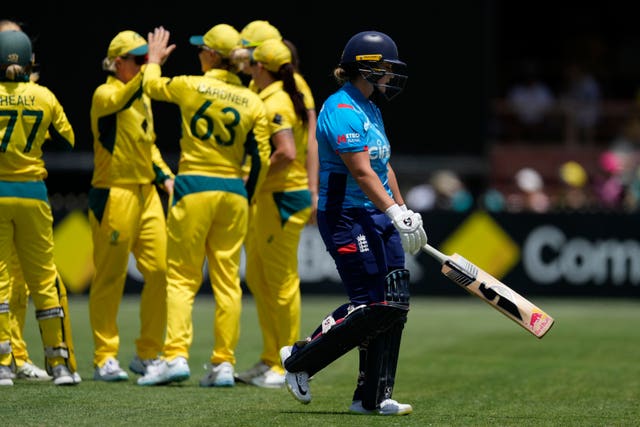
(139, 366)
(6, 375)
(255, 371)
(63, 376)
(297, 382)
(110, 371)
(76, 377)
(165, 372)
(220, 375)
(273, 378)
(29, 371)
(386, 407)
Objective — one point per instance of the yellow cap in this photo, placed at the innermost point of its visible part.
(273, 54)
(256, 32)
(573, 174)
(222, 38)
(127, 42)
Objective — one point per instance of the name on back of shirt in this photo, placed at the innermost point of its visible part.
(17, 100)
(223, 94)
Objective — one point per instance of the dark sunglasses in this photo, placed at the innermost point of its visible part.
(138, 59)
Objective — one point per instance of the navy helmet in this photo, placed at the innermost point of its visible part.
(374, 55)
(370, 46)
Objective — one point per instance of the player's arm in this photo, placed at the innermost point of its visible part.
(359, 166)
(60, 133)
(163, 175)
(153, 83)
(284, 151)
(108, 99)
(393, 185)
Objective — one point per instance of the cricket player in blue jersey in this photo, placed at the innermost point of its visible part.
(366, 228)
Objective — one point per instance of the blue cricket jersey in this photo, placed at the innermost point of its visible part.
(348, 123)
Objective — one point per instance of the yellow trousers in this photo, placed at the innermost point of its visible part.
(277, 221)
(127, 219)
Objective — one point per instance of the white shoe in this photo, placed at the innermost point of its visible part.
(255, 371)
(220, 375)
(270, 379)
(386, 407)
(6, 375)
(110, 371)
(29, 371)
(139, 366)
(392, 407)
(76, 377)
(62, 375)
(165, 372)
(297, 382)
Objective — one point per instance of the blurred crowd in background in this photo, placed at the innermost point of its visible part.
(613, 186)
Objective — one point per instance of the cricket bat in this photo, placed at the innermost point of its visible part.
(492, 291)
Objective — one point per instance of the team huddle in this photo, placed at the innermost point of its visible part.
(257, 164)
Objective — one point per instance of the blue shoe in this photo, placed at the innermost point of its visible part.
(165, 372)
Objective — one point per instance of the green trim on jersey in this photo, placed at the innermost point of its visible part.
(98, 198)
(189, 184)
(24, 190)
(290, 202)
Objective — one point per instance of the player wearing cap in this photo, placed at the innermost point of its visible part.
(283, 207)
(267, 371)
(223, 122)
(365, 227)
(252, 35)
(125, 209)
(26, 220)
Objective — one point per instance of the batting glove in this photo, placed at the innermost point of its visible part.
(409, 225)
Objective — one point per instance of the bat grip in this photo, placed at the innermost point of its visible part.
(427, 248)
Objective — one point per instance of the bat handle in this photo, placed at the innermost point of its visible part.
(434, 253)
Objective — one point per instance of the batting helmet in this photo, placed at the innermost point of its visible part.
(370, 46)
(15, 48)
(374, 56)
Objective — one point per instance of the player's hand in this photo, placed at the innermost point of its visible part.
(159, 48)
(409, 225)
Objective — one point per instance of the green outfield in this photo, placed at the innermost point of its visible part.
(462, 364)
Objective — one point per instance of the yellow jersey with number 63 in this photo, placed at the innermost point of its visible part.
(27, 111)
(222, 122)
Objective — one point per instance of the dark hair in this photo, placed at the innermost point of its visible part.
(286, 74)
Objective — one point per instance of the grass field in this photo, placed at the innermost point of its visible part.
(462, 364)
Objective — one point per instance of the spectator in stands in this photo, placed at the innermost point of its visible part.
(531, 196)
(421, 197)
(574, 195)
(492, 200)
(627, 147)
(581, 103)
(450, 191)
(531, 101)
(608, 184)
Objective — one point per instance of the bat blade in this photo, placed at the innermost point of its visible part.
(492, 291)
